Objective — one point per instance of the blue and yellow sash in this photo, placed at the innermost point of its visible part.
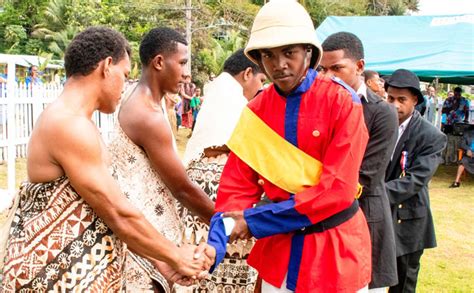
(273, 157)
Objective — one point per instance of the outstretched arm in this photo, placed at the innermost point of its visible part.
(337, 186)
(81, 154)
(152, 132)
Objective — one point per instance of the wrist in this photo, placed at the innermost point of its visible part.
(174, 259)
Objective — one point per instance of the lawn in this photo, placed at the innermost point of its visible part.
(447, 268)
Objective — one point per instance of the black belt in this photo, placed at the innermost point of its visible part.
(332, 221)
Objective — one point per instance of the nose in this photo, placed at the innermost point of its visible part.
(396, 104)
(280, 62)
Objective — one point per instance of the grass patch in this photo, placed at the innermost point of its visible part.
(446, 268)
(450, 266)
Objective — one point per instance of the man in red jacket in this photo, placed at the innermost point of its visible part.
(300, 142)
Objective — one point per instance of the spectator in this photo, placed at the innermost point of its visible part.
(456, 108)
(171, 100)
(467, 161)
(187, 93)
(33, 78)
(431, 105)
(374, 82)
(195, 105)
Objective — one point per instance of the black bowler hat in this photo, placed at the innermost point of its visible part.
(403, 78)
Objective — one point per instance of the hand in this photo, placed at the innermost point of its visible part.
(241, 229)
(173, 276)
(208, 252)
(186, 264)
(469, 153)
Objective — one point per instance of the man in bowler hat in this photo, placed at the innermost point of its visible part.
(415, 159)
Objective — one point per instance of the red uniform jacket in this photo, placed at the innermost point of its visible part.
(324, 118)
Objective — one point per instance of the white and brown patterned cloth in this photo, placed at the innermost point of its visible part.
(144, 188)
(233, 274)
(57, 243)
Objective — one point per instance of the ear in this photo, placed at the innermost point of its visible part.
(106, 66)
(248, 74)
(158, 62)
(308, 54)
(360, 66)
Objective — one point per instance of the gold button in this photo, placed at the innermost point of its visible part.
(399, 221)
(261, 182)
(400, 206)
(316, 133)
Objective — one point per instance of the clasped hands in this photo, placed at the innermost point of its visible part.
(194, 262)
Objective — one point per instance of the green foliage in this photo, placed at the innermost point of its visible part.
(219, 27)
(14, 35)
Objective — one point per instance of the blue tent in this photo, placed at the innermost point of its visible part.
(431, 46)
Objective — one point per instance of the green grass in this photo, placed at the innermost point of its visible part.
(446, 268)
(450, 266)
(20, 173)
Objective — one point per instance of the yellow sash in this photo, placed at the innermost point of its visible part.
(273, 157)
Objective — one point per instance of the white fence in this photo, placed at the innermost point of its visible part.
(19, 109)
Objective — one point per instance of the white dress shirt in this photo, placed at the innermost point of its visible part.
(401, 129)
(362, 92)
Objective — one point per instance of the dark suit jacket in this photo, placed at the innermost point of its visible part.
(408, 195)
(382, 123)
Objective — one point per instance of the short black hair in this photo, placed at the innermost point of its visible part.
(238, 62)
(348, 42)
(161, 40)
(458, 89)
(369, 74)
(91, 46)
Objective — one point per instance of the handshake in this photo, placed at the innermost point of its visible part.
(189, 264)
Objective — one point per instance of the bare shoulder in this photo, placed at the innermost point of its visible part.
(60, 137)
(144, 123)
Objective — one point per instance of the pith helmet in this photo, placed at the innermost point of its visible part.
(281, 23)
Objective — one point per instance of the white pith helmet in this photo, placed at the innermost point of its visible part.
(282, 23)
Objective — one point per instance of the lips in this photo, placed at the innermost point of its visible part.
(281, 77)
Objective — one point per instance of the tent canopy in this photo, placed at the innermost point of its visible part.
(431, 46)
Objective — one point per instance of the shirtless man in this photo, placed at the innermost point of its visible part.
(73, 220)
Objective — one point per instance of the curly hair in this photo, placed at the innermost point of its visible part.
(91, 46)
(348, 42)
(160, 40)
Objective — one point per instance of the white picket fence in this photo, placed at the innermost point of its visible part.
(26, 104)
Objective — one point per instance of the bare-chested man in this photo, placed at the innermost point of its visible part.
(73, 220)
(147, 165)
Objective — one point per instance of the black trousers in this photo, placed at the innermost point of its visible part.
(408, 266)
